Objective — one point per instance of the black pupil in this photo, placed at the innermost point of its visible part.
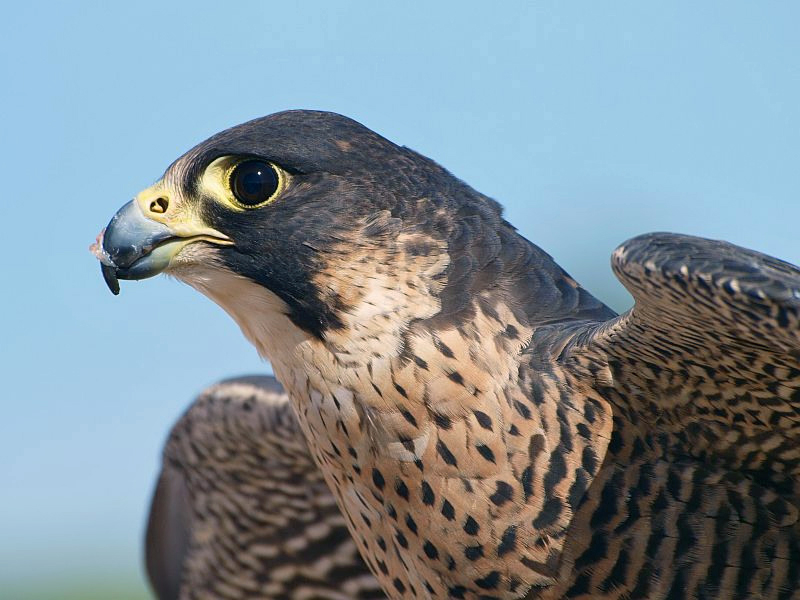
(254, 182)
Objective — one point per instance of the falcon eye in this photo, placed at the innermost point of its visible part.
(254, 182)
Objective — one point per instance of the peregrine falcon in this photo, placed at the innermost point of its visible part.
(242, 511)
(488, 427)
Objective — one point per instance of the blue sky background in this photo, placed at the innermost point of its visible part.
(591, 122)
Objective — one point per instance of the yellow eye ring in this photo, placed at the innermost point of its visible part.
(254, 183)
(219, 179)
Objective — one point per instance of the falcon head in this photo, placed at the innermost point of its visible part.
(291, 203)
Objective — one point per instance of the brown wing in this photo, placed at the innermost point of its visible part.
(696, 496)
(708, 359)
(242, 511)
(168, 533)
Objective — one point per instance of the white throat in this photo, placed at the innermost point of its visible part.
(261, 315)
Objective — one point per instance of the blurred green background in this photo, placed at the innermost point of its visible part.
(591, 122)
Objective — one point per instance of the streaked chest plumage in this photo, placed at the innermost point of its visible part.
(441, 463)
(434, 449)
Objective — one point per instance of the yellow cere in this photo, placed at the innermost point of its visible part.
(167, 206)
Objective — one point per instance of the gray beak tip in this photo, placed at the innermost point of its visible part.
(132, 247)
(110, 277)
(107, 266)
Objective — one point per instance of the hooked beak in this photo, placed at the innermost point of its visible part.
(135, 247)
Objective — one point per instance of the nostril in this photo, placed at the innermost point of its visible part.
(159, 206)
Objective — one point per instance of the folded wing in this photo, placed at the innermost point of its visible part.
(708, 359)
